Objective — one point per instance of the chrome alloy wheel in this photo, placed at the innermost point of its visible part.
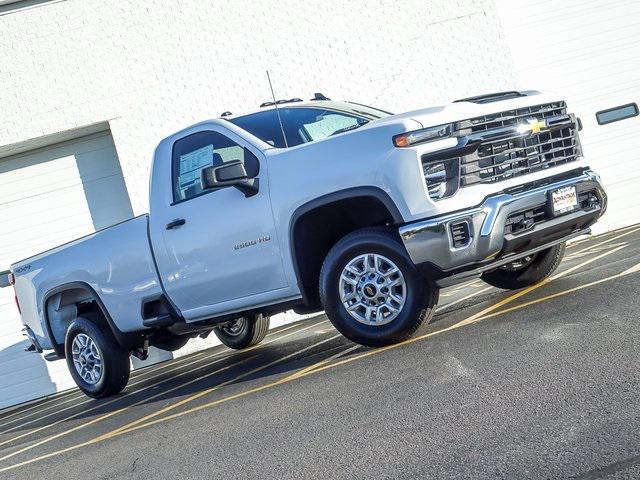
(234, 328)
(87, 358)
(372, 289)
(519, 264)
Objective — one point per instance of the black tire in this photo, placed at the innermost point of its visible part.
(420, 296)
(536, 269)
(250, 332)
(169, 342)
(115, 359)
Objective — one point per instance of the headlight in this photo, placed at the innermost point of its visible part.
(442, 177)
(424, 135)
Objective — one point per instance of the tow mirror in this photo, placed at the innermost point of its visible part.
(229, 174)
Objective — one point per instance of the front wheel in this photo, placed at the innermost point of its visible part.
(98, 364)
(371, 290)
(527, 270)
(243, 332)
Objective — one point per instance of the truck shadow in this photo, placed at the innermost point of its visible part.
(23, 376)
(186, 376)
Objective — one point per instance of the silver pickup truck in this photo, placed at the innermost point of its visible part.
(315, 205)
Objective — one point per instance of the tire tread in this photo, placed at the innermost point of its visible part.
(425, 297)
(542, 267)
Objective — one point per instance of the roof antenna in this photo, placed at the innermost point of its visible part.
(284, 137)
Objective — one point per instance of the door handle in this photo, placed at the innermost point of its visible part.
(176, 223)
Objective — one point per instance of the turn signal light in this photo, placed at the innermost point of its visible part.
(423, 135)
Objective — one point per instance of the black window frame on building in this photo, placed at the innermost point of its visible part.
(633, 105)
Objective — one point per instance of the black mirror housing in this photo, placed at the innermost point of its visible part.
(229, 174)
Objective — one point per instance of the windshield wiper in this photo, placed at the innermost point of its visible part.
(350, 127)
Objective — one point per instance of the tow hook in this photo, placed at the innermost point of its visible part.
(142, 353)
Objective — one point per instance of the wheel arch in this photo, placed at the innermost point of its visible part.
(64, 303)
(380, 210)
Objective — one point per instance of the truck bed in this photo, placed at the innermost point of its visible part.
(116, 263)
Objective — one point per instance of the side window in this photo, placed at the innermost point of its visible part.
(204, 149)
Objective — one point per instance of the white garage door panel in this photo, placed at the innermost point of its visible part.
(588, 52)
(49, 197)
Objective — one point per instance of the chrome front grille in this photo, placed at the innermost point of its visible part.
(510, 117)
(503, 151)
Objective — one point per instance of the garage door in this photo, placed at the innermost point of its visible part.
(588, 52)
(48, 197)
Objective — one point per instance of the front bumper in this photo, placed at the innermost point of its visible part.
(490, 240)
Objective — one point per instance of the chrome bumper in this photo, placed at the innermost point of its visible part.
(430, 243)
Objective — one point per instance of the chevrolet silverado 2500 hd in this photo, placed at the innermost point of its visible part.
(315, 205)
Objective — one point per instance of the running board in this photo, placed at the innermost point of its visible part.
(53, 356)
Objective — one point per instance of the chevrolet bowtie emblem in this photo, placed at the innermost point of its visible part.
(533, 125)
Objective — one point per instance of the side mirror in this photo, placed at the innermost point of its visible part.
(229, 174)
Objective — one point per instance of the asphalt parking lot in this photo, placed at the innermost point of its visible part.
(539, 383)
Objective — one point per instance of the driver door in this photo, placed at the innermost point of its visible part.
(220, 248)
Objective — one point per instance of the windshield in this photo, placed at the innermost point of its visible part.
(302, 124)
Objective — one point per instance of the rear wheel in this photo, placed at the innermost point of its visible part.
(243, 332)
(372, 292)
(527, 270)
(98, 364)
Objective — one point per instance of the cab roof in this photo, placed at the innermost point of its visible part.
(340, 106)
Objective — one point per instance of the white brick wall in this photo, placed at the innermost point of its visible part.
(151, 67)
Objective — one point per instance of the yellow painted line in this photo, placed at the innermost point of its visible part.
(592, 238)
(228, 354)
(34, 407)
(111, 414)
(634, 269)
(583, 253)
(615, 237)
(284, 329)
(471, 283)
(523, 292)
(474, 318)
(139, 377)
(322, 362)
(206, 391)
(466, 297)
(100, 405)
(456, 289)
(116, 433)
(116, 399)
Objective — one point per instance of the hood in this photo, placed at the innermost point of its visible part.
(465, 109)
